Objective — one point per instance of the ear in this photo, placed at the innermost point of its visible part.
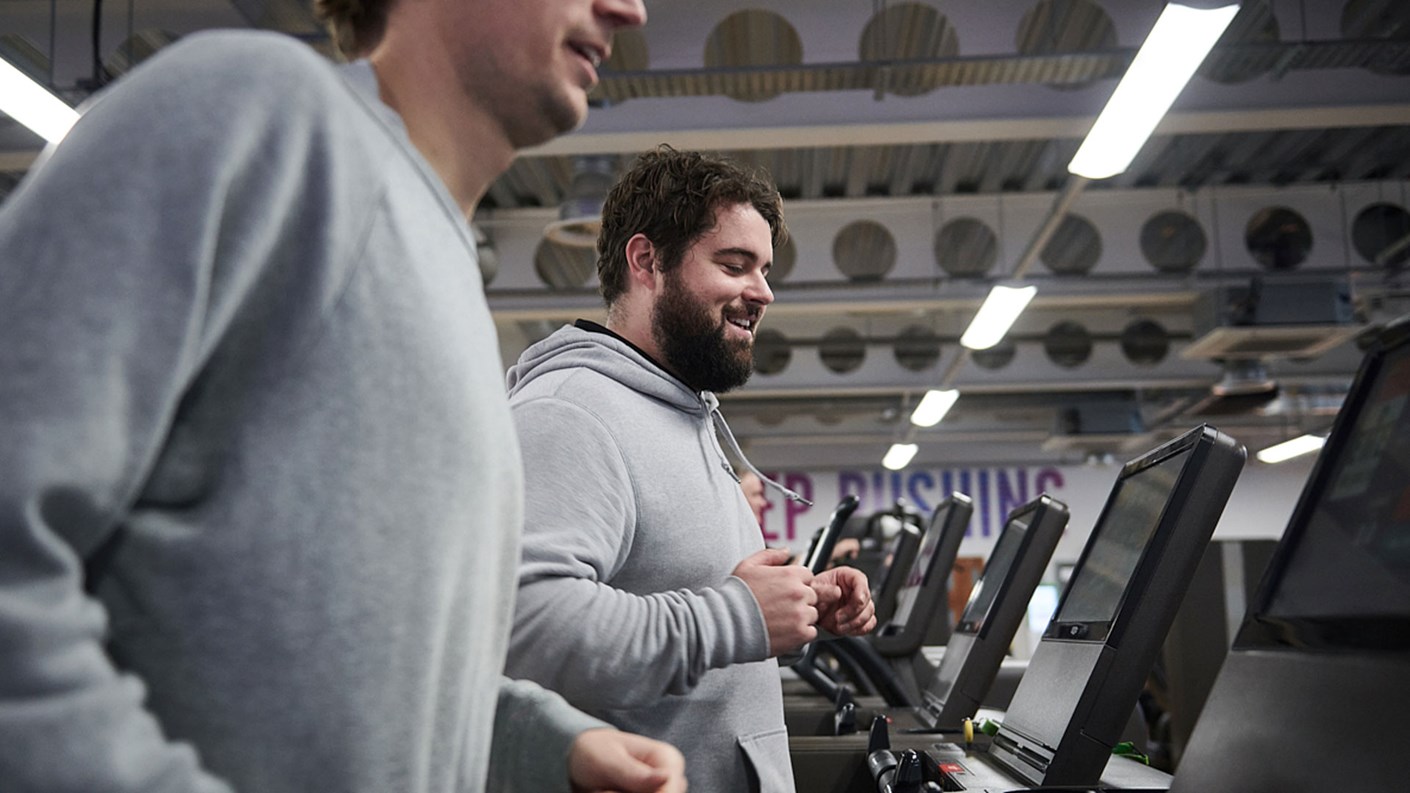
(642, 264)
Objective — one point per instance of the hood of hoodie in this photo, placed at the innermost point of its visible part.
(571, 347)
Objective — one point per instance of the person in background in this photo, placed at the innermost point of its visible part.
(646, 596)
(753, 488)
(260, 498)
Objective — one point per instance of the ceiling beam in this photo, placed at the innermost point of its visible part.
(969, 130)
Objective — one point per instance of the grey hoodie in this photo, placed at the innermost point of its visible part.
(634, 522)
(246, 361)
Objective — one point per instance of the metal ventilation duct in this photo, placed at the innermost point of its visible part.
(580, 214)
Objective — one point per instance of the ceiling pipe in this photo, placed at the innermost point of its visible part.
(1061, 205)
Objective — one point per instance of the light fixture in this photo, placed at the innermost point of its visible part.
(899, 455)
(1282, 452)
(933, 407)
(1001, 308)
(1176, 46)
(29, 103)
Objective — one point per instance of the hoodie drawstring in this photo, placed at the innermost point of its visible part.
(722, 428)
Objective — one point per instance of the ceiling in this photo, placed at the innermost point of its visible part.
(921, 149)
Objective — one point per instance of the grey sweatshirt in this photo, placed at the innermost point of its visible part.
(634, 522)
(247, 368)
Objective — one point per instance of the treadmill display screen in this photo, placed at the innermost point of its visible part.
(986, 590)
(1094, 593)
(1352, 552)
(920, 570)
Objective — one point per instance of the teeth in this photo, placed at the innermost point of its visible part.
(591, 54)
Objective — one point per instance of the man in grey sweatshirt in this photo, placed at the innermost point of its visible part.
(259, 501)
(645, 595)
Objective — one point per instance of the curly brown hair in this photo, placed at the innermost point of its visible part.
(672, 197)
(354, 25)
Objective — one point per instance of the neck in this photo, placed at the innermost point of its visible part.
(440, 118)
(635, 327)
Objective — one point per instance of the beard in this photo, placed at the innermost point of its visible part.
(693, 342)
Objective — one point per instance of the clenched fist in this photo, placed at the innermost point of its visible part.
(786, 597)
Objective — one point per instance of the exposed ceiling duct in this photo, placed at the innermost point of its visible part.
(1268, 320)
(580, 214)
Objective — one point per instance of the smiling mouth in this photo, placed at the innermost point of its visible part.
(590, 54)
(744, 323)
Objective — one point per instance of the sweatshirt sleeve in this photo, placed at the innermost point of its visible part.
(534, 730)
(120, 259)
(573, 631)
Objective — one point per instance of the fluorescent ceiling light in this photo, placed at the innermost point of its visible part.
(899, 455)
(933, 407)
(1176, 46)
(29, 103)
(1287, 450)
(997, 315)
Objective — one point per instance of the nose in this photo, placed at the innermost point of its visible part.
(621, 14)
(757, 289)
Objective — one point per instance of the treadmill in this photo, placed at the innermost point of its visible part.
(894, 571)
(1085, 677)
(881, 663)
(1314, 692)
(997, 606)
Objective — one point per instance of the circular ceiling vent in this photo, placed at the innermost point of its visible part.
(1381, 234)
(1061, 27)
(917, 348)
(564, 266)
(908, 32)
(1068, 344)
(1237, 56)
(629, 54)
(1074, 248)
(750, 39)
(842, 350)
(996, 357)
(966, 248)
(772, 352)
(1278, 238)
(1144, 342)
(1173, 242)
(864, 251)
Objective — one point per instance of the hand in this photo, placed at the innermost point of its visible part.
(785, 596)
(844, 601)
(608, 760)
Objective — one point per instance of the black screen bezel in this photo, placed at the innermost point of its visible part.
(820, 551)
(980, 627)
(941, 523)
(1197, 443)
(1329, 633)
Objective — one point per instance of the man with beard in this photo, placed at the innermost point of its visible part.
(646, 597)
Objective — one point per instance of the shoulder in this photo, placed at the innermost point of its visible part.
(237, 80)
(235, 58)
